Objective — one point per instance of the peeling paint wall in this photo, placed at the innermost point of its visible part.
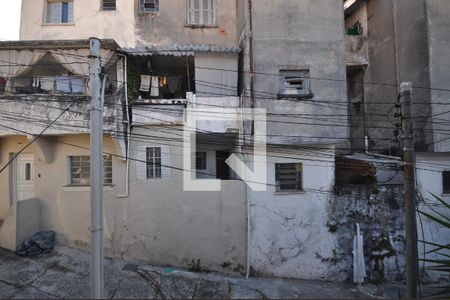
(158, 223)
(289, 236)
(128, 27)
(379, 211)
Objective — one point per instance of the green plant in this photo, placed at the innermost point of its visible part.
(443, 264)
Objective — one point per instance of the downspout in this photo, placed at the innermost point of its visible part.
(127, 122)
(252, 105)
(251, 62)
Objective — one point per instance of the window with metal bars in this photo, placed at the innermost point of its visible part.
(80, 170)
(148, 6)
(109, 5)
(446, 182)
(288, 177)
(294, 82)
(153, 162)
(59, 12)
(201, 12)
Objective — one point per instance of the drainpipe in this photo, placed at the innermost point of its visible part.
(250, 48)
(127, 122)
(252, 105)
(247, 194)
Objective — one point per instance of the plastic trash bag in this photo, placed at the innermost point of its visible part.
(39, 243)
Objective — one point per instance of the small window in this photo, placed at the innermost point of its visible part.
(148, 6)
(153, 162)
(27, 171)
(80, 170)
(200, 161)
(446, 182)
(59, 12)
(201, 12)
(289, 177)
(294, 83)
(109, 5)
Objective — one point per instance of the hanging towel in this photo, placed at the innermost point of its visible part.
(145, 83)
(154, 86)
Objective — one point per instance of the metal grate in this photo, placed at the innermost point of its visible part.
(80, 170)
(153, 162)
(289, 177)
(149, 6)
(109, 5)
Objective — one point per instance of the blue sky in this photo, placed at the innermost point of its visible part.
(10, 19)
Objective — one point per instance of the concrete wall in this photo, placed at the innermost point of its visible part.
(216, 74)
(394, 57)
(20, 223)
(289, 236)
(437, 12)
(158, 223)
(127, 26)
(306, 34)
(429, 181)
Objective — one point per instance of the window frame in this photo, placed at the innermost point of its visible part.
(48, 20)
(142, 3)
(154, 167)
(107, 170)
(190, 18)
(293, 74)
(201, 157)
(446, 182)
(298, 169)
(102, 8)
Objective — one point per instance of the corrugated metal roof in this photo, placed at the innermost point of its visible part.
(55, 44)
(177, 50)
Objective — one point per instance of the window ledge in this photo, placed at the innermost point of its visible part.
(285, 193)
(58, 24)
(84, 188)
(146, 13)
(445, 195)
(305, 96)
(201, 26)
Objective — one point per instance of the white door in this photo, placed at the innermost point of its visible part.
(25, 177)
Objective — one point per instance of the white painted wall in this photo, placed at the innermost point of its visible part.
(288, 235)
(429, 181)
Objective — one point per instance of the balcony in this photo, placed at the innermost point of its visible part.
(29, 114)
(357, 50)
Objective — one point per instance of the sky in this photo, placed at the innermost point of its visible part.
(10, 19)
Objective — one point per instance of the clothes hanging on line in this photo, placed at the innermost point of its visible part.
(145, 83)
(154, 86)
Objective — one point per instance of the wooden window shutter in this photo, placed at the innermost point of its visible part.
(141, 165)
(201, 12)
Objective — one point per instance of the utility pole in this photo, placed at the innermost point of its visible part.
(412, 265)
(96, 172)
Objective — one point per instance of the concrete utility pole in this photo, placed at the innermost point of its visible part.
(412, 265)
(96, 172)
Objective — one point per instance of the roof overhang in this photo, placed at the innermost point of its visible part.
(177, 50)
(350, 6)
(55, 44)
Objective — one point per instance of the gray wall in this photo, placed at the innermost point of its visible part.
(396, 34)
(301, 34)
(439, 49)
